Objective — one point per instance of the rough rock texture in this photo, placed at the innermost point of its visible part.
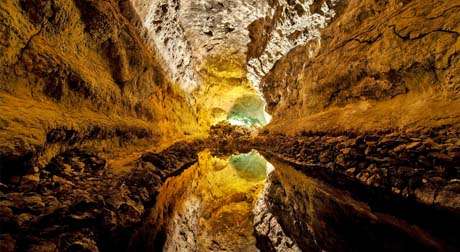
(203, 45)
(186, 33)
(380, 64)
(76, 73)
(267, 228)
(318, 217)
(79, 87)
(80, 203)
(415, 165)
(365, 92)
(289, 24)
(219, 48)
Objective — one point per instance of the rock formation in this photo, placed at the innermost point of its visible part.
(380, 65)
(241, 125)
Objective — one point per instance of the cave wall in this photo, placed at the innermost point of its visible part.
(78, 73)
(377, 65)
(213, 48)
(188, 33)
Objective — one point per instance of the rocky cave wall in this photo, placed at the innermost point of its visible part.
(80, 84)
(217, 47)
(188, 33)
(377, 65)
(328, 65)
(78, 73)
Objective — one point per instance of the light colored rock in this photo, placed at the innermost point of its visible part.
(186, 32)
(282, 41)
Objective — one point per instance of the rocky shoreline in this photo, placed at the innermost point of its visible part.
(422, 165)
(78, 203)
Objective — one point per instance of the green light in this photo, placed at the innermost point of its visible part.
(248, 110)
(250, 166)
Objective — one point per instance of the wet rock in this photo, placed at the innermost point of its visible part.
(449, 196)
(394, 161)
(33, 203)
(30, 182)
(77, 242)
(43, 247)
(350, 172)
(24, 220)
(7, 243)
(7, 218)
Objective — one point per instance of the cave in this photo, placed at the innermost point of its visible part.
(236, 125)
(248, 111)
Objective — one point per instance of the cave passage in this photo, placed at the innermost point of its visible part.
(230, 125)
(249, 110)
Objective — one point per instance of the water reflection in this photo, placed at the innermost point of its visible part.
(224, 203)
(209, 206)
(250, 166)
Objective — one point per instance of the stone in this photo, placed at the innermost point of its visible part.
(324, 157)
(345, 151)
(374, 180)
(399, 148)
(449, 196)
(363, 176)
(6, 203)
(30, 182)
(24, 220)
(350, 172)
(62, 182)
(128, 214)
(340, 160)
(396, 190)
(7, 243)
(78, 166)
(33, 203)
(46, 246)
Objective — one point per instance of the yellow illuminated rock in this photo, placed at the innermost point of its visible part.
(224, 85)
(212, 203)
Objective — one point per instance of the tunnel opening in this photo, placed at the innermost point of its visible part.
(249, 111)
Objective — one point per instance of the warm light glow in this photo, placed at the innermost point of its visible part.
(227, 95)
